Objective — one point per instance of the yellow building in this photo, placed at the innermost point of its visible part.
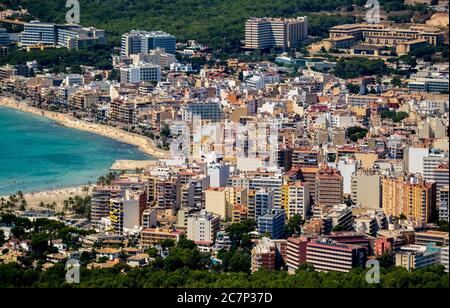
(410, 196)
(220, 201)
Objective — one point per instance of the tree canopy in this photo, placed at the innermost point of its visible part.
(217, 23)
(14, 276)
(359, 67)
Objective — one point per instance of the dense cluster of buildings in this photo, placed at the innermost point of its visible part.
(361, 197)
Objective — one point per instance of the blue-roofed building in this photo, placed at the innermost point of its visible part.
(135, 42)
(272, 223)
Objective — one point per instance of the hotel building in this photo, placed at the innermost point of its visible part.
(69, 36)
(126, 212)
(135, 42)
(432, 237)
(329, 256)
(262, 33)
(296, 253)
(444, 257)
(76, 37)
(388, 35)
(206, 111)
(36, 33)
(135, 74)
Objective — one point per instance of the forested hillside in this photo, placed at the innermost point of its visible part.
(214, 22)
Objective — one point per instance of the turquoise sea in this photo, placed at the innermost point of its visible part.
(36, 154)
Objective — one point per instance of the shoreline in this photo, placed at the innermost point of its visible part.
(143, 143)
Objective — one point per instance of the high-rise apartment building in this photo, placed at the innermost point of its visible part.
(272, 223)
(202, 228)
(308, 175)
(305, 157)
(329, 187)
(100, 206)
(366, 189)
(260, 202)
(295, 199)
(411, 196)
(135, 42)
(217, 201)
(206, 111)
(222, 200)
(126, 211)
(262, 33)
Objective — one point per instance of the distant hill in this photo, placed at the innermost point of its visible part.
(214, 22)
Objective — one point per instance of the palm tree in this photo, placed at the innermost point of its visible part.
(66, 205)
(101, 180)
(23, 205)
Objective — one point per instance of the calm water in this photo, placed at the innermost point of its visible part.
(36, 154)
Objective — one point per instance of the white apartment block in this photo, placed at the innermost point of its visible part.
(135, 74)
(202, 228)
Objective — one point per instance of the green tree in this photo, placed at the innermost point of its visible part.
(353, 88)
(167, 243)
(356, 133)
(2, 238)
(39, 245)
(347, 68)
(294, 225)
(239, 233)
(396, 81)
(339, 228)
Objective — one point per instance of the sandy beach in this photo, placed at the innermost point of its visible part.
(58, 195)
(143, 143)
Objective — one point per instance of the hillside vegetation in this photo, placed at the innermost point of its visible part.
(218, 23)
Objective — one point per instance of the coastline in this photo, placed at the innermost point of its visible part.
(143, 143)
